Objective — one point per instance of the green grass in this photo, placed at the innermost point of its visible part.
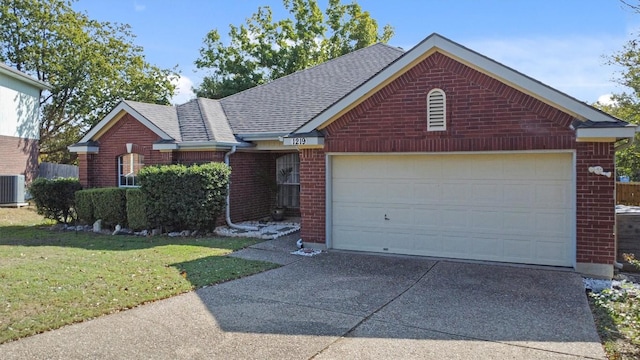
(49, 279)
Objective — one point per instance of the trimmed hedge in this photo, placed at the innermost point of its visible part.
(84, 207)
(107, 204)
(136, 214)
(178, 197)
(55, 198)
(110, 205)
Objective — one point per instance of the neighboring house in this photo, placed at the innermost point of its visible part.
(19, 122)
(437, 151)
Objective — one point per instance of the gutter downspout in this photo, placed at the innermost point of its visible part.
(631, 141)
(228, 210)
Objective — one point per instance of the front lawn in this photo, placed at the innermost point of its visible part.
(49, 279)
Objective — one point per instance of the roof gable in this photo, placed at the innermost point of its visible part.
(143, 112)
(197, 121)
(437, 43)
(284, 104)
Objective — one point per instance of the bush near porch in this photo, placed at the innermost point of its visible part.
(173, 197)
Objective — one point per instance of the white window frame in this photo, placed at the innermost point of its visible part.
(289, 193)
(436, 110)
(129, 179)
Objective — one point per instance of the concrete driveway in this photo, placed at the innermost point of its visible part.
(346, 306)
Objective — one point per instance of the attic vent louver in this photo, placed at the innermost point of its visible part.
(436, 110)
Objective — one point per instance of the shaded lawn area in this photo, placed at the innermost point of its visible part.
(49, 279)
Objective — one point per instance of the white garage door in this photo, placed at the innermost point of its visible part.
(499, 207)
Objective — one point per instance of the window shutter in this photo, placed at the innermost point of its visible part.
(436, 110)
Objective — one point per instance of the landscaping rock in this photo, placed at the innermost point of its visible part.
(156, 232)
(97, 226)
(117, 230)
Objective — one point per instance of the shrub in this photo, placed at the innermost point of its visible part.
(136, 214)
(110, 205)
(181, 197)
(55, 199)
(84, 206)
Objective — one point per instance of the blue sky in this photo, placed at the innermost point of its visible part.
(563, 43)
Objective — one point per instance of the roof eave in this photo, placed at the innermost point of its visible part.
(610, 134)
(266, 136)
(200, 145)
(19, 75)
(83, 149)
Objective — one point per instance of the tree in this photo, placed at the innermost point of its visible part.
(626, 105)
(90, 65)
(262, 49)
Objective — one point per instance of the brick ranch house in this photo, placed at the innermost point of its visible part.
(19, 122)
(437, 151)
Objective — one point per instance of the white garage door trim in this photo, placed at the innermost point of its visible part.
(570, 261)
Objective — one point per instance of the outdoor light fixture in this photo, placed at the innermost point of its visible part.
(599, 171)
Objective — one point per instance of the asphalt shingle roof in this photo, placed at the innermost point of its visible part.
(216, 119)
(163, 116)
(192, 124)
(284, 104)
(280, 106)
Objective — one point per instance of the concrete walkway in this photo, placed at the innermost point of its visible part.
(344, 306)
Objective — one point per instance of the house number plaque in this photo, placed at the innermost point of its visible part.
(299, 141)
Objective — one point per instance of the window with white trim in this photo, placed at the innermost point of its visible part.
(129, 166)
(288, 180)
(436, 110)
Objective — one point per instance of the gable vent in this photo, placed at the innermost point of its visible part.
(436, 110)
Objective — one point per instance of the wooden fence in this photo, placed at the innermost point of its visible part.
(628, 193)
(52, 171)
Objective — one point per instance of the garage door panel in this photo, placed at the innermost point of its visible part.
(455, 246)
(485, 193)
(487, 168)
(360, 214)
(549, 252)
(427, 193)
(398, 216)
(488, 220)
(556, 170)
(514, 208)
(518, 250)
(552, 223)
(455, 192)
(551, 195)
(426, 169)
(518, 194)
(427, 217)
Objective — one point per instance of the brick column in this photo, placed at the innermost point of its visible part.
(312, 197)
(595, 210)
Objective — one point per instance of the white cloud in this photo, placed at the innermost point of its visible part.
(606, 99)
(138, 7)
(574, 65)
(184, 90)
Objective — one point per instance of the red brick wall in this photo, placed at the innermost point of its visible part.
(19, 157)
(312, 195)
(249, 198)
(595, 195)
(482, 115)
(102, 169)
